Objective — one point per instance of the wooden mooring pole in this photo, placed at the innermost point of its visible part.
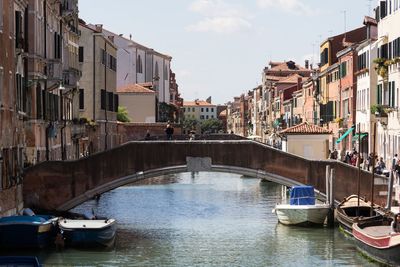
(331, 213)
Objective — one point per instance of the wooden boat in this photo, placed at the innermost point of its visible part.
(36, 231)
(88, 233)
(302, 209)
(347, 212)
(378, 240)
(25, 261)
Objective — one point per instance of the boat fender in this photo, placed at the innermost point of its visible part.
(106, 221)
(84, 225)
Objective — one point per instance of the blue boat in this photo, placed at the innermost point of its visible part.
(15, 261)
(88, 233)
(36, 231)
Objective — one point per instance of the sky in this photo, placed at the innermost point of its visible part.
(220, 47)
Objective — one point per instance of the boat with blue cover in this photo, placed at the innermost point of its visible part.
(88, 233)
(302, 209)
(35, 231)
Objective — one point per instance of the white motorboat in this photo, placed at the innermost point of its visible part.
(302, 209)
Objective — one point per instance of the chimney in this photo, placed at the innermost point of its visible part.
(99, 27)
(306, 64)
(208, 100)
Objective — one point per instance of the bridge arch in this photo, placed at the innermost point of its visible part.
(63, 185)
(90, 194)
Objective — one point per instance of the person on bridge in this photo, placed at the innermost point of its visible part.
(169, 130)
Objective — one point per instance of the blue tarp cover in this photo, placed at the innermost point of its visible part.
(302, 195)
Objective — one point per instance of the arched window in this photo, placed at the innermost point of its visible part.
(139, 65)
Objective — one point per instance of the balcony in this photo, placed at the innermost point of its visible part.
(53, 70)
(69, 7)
(71, 77)
(78, 131)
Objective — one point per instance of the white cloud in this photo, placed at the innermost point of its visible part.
(216, 8)
(220, 25)
(292, 6)
(219, 17)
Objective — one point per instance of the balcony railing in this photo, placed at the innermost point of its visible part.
(78, 130)
(53, 70)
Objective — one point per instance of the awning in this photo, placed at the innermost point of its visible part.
(344, 135)
(362, 135)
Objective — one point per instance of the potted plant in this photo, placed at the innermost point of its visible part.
(381, 67)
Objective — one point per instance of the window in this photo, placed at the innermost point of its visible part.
(39, 110)
(103, 57)
(362, 61)
(192, 109)
(383, 9)
(57, 45)
(343, 69)
(379, 94)
(81, 54)
(212, 109)
(207, 117)
(1, 15)
(103, 99)
(212, 116)
(201, 117)
(392, 94)
(110, 101)
(139, 64)
(21, 93)
(19, 37)
(116, 102)
(81, 99)
(202, 109)
(324, 57)
(383, 51)
(206, 109)
(1, 81)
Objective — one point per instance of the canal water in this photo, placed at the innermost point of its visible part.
(206, 219)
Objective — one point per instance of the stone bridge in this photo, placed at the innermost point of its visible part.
(62, 185)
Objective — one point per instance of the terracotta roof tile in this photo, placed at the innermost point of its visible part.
(134, 88)
(197, 103)
(306, 128)
(282, 66)
(147, 84)
(292, 79)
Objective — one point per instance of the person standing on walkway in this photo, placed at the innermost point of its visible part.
(394, 163)
(169, 130)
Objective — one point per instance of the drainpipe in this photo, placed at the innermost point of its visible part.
(106, 96)
(45, 82)
(94, 77)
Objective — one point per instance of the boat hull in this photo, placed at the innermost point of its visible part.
(20, 261)
(26, 235)
(384, 249)
(302, 214)
(348, 210)
(103, 237)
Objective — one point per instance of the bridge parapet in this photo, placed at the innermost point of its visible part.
(61, 185)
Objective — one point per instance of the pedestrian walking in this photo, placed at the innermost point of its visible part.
(169, 130)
